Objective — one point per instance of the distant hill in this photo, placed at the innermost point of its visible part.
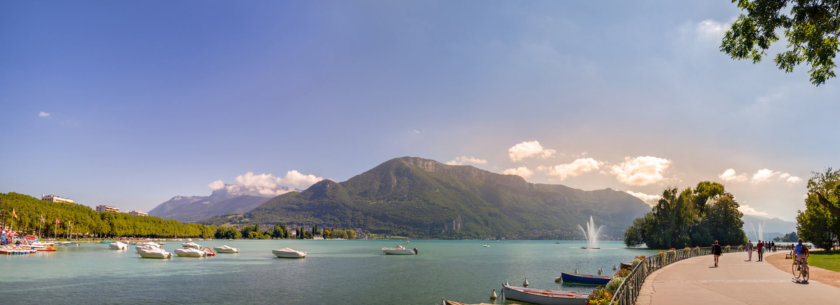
(423, 198)
(772, 227)
(231, 199)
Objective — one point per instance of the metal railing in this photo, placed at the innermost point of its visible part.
(628, 291)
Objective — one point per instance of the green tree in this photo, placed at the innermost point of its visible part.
(351, 234)
(817, 223)
(691, 218)
(811, 27)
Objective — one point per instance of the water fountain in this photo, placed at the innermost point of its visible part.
(591, 234)
(758, 234)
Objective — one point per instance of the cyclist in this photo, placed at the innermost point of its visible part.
(801, 254)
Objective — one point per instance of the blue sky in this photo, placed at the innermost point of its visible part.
(129, 104)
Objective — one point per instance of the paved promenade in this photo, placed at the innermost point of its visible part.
(735, 281)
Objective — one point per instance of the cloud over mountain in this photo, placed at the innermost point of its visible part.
(466, 160)
(521, 171)
(266, 184)
(529, 149)
(572, 169)
(640, 171)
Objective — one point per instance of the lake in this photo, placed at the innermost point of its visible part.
(334, 272)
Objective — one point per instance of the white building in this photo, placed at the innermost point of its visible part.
(55, 198)
(107, 208)
(137, 213)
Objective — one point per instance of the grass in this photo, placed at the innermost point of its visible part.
(825, 260)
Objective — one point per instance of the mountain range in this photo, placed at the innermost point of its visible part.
(230, 199)
(423, 198)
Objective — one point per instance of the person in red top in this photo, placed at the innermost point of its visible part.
(760, 249)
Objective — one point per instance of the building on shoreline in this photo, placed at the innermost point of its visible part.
(107, 208)
(55, 198)
(137, 213)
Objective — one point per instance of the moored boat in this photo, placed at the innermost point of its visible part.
(191, 245)
(190, 252)
(226, 249)
(543, 296)
(288, 253)
(584, 278)
(118, 246)
(153, 252)
(399, 250)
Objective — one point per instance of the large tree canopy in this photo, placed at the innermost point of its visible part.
(810, 26)
(689, 218)
(818, 223)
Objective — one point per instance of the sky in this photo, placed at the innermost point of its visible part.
(131, 103)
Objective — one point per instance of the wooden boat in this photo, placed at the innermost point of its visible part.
(584, 278)
(543, 297)
(627, 266)
(288, 253)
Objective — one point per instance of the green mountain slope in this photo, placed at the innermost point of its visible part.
(423, 198)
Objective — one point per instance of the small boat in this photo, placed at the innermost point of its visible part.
(486, 245)
(399, 250)
(543, 297)
(190, 244)
(584, 278)
(209, 252)
(450, 302)
(226, 249)
(627, 266)
(153, 252)
(15, 251)
(288, 253)
(190, 252)
(118, 246)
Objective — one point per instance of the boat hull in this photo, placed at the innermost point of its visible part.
(398, 251)
(225, 250)
(584, 279)
(543, 297)
(288, 253)
(189, 253)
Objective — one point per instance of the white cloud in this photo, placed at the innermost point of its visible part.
(640, 171)
(766, 175)
(415, 131)
(748, 210)
(464, 160)
(266, 184)
(730, 175)
(528, 149)
(711, 31)
(650, 200)
(216, 185)
(296, 179)
(521, 171)
(575, 168)
(44, 114)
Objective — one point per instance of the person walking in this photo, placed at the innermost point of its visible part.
(716, 250)
(749, 250)
(760, 249)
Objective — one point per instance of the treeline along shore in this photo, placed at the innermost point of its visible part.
(29, 215)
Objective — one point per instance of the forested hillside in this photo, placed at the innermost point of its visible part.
(88, 222)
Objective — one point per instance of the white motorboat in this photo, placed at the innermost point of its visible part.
(226, 249)
(190, 252)
(146, 245)
(118, 246)
(188, 245)
(153, 252)
(399, 250)
(288, 253)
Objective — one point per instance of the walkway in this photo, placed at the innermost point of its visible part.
(736, 281)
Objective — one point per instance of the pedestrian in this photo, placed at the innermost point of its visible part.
(716, 250)
(760, 249)
(749, 250)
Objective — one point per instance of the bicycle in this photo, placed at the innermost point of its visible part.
(800, 271)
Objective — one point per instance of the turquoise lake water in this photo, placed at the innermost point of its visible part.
(334, 272)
